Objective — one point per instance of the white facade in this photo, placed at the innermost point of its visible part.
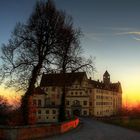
(84, 97)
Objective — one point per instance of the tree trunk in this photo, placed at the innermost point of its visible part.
(25, 99)
(62, 109)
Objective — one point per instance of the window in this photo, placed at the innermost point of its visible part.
(75, 93)
(57, 96)
(53, 96)
(68, 113)
(47, 117)
(47, 102)
(53, 117)
(71, 93)
(53, 103)
(39, 102)
(53, 88)
(67, 102)
(80, 93)
(76, 102)
(90, 103)
(54, 111)
(85, 112)
(85, 102)
(46, 89)
(47, 111)
(34, 102)
(39, 111)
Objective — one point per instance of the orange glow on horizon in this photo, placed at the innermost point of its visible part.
(130, 97)
(11, 96)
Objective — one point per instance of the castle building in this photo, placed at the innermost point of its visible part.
(84, 97)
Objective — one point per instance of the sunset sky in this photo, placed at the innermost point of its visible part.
(111, 31)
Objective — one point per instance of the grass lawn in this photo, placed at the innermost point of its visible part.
(130, 123)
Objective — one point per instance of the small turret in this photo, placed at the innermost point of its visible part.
(106, 78)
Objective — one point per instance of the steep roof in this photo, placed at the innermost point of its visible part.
(58, 79)
(38, 91)
(116, 87)
(106, 73)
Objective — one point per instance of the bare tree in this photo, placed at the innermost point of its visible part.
(30, 49)
(68, 58)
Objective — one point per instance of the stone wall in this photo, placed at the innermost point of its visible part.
(36, 131)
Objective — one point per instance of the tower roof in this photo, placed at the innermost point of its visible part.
(106, 73)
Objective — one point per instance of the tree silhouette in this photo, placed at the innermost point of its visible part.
(68, 58)
(47, 40)
(30, 50)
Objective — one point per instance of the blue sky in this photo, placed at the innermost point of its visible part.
(111, 31)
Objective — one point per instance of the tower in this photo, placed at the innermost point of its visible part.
(106, 78)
